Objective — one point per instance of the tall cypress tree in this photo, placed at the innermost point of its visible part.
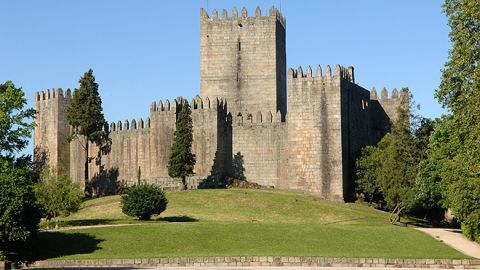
(182, 160)
(86, 118)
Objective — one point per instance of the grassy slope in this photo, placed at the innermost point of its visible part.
(219, 222)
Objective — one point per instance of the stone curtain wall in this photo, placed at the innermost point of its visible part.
(356, 130)
(258, 143)
(242, 59)
(147, 145)
(314, 132)
(143, 145)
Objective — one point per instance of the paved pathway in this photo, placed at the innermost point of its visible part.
(455, 239)
(89, 226)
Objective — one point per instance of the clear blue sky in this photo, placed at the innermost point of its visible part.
(143, 51)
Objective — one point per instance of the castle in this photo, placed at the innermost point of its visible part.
(244, 120)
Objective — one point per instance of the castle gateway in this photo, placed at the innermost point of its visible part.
(241, 121)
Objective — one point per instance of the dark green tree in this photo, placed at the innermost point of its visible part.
(182, 160)
(389, 170)
(85, 116)
(454, 147)
(19, 212)
(19, 216)
(366, 175)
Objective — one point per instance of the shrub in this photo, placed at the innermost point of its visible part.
(58, 195)
(144, 200)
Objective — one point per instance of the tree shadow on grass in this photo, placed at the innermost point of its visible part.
(178, 219)
(87, 222)
(50, 245)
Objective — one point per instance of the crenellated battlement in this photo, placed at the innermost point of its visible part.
(53, 94)
(259, 118)
(384, 97)
(196, 103)
(339, 72)
(236, 16)
(130, 125)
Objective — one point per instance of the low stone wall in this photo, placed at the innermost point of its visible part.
(253, 261)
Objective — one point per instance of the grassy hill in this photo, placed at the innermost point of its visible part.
(238, 222)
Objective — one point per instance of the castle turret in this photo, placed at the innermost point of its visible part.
(242, 59)
(52, 129)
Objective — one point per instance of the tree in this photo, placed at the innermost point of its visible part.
(57, 195)
(19, 216)
(367, 185)
(85, 116)
(14, 128)
(454, 146)
(389, 170)
(428, 188)
(182, 160)
(143, 201)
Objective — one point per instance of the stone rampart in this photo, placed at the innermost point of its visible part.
(315, 132)
(258, 147)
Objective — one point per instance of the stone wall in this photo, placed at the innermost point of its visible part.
(356, 129)
(383, 110)
(258, 148)
(52, 130)
(315, 132)
(264, 261)
(243, 59)
(139, 148)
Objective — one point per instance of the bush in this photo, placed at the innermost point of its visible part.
(58, 195)
(144, 200)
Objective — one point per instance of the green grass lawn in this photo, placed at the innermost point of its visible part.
(238, 222)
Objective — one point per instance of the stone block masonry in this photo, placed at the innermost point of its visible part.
(262, 261)
(241, 124)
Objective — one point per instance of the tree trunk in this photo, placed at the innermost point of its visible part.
(392, 218)
(396, 214)
(184, 183)
(85, 179)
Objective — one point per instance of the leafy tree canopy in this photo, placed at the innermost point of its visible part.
(19, 215)
(454, 147)
(57, 195)
(15, 129)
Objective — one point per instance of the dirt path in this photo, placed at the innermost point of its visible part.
(88, 227)
(455, 239)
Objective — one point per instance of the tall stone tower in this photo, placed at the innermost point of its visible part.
(52, 129)
(243, 59)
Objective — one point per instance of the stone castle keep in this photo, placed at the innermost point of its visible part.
(244, 120)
